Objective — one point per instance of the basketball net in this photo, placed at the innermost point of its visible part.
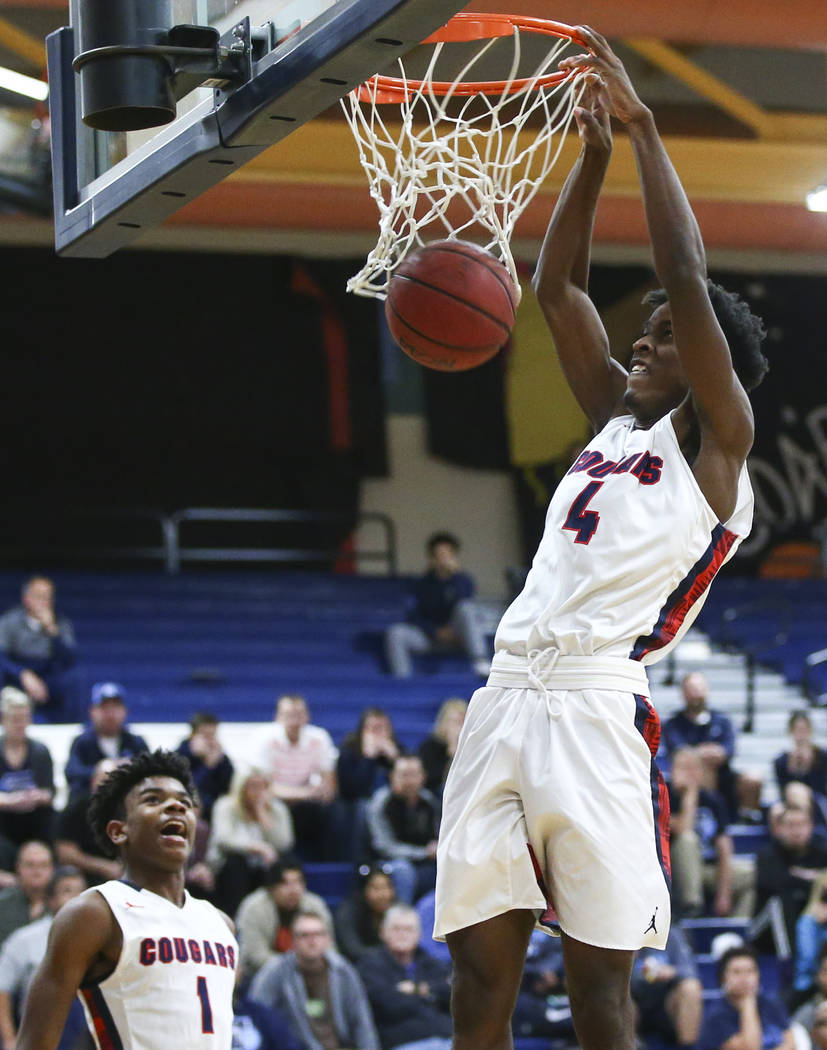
(468, 173)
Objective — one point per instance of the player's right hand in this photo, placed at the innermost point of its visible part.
(592, 115)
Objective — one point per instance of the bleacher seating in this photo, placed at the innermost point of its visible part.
(232, 642)
(779, 622)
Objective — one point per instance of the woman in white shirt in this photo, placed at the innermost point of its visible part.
(250, 829)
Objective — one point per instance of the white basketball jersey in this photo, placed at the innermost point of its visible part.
(173, 986)
(629, 549)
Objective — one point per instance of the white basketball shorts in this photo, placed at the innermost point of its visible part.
(554, 799)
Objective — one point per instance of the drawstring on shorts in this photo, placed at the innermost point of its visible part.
(541, 663)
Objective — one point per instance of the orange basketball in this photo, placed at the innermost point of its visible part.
(451, 305)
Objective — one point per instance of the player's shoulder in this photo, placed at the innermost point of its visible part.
(88, 916)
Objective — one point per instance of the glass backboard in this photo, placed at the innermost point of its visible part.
(302, 56)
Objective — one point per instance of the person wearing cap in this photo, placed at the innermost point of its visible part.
(106, 737)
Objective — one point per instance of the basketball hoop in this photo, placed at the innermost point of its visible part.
(467, 170)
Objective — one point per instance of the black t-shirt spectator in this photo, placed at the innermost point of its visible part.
(815, 777)
(73, 826)
(212, 781)
(780, 872)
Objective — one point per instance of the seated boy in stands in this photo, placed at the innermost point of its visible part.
(745, 1016)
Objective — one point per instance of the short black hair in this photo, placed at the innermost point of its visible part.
(109, 801)
(743, 330)
(442, 537)
(203, 718)
(275, 873)
(737, 951)
(65, 871)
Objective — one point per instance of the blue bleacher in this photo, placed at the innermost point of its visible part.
(779, 622)
(232, 642)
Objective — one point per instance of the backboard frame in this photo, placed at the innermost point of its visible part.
(291, 84)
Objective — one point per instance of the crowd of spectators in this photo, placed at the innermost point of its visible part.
(360, 970)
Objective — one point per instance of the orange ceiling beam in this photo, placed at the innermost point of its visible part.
(346, 209)
(793, 24)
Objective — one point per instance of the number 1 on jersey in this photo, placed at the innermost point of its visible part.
(206, 1009)
(581, 521)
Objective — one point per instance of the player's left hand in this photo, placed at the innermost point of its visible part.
(623, 100)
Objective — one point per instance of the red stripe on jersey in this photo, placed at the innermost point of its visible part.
(106, 1034)
(647, 723)
(686, 594)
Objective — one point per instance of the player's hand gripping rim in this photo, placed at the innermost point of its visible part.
(622, 99)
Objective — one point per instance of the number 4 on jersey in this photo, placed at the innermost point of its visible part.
(581, 521)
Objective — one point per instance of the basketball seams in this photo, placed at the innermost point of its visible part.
(480, 255)
(455, 298)
(459, 292)
(430, 338)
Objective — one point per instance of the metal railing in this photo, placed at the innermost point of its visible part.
(173, 548)
(178, 552)
(808, 685)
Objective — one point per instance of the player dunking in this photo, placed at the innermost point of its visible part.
(154, 967)
(553, 795)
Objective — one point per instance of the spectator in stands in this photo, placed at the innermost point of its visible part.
(76, 843)
(703, 856)
(367, 755)
(264, 919)
(403, 820)
(437, 749)
(260, 1027)
(200, 880)
(803, 762)
(38, 651)
(543, 1010)
(318, 989)
(785, 870)
(250, 830)
(301, 760)
(806, 1003)
(24, 949)
(811, 936)
(106, 737)
(26, 900)
(711, 733)
(745, 1017)
(667, 992)
(409, 991)
(358, 919)
(26, 778)
(442, 615)
(211, 768)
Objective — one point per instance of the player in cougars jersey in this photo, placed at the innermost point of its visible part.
(553, 797)
(153, 966)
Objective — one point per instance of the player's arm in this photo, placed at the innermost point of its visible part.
(561, 279)
(82, 935)
(721, 403)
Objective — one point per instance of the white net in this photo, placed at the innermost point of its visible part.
(455, 167)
